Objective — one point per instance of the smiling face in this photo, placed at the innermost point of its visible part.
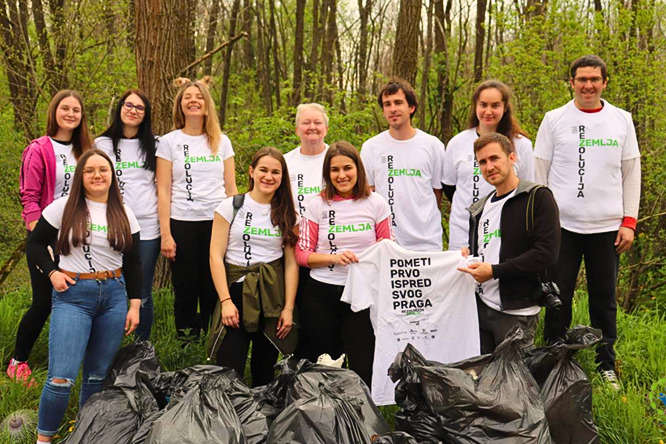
(588, 84)
(193, 103)
(97, 177)
(496, 166)
(132, 111)
(397, 110)
(311, 128)
(266, 175)
(490, 109)
(343, 175)
(68, 117)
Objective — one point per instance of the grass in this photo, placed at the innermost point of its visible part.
(622, 418)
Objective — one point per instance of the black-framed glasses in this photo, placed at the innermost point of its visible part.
(140, 109)
(584, 80)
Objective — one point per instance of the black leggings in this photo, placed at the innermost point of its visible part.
(190, 274)
(332, 327)
(236, 343)
(33, 320)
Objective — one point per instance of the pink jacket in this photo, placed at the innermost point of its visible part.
(37, 180)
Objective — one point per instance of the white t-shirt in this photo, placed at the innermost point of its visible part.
(252, 238)
(305, 175)
(346, 224)
(65, 167)
(417, 298)
(586, 151)
(137, 184)
(490, 242)
(197, 181)
(462, 171)
(405, 172)
(97, 255)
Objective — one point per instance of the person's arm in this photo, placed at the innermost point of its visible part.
(449, 191)
(33, 175)
(230, 177)
(163, 176)
(133, 277)
(286, 320)
(631, 196)
(544, 148)
(541, 171)
(37, 248)
(219, 240)
(383, 230)
(306, 255)
(438, 197)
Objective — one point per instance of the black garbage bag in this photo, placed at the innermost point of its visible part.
(566, 391)
(204, 415)
(327, 418)
(175, 385)
(483, 399)
(273, 396)
(131, 359)
(309, 378)
(395, 438)
(114, 415)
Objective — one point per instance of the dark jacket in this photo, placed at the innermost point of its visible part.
(521, 261)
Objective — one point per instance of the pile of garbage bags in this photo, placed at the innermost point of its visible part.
(510, 396)
(306, 403)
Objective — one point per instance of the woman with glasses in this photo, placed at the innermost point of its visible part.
(97, 239)
(130, 143)
(47, 167)
(195, 172)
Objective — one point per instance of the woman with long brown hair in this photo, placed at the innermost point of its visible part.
(195, 172)
(491, 111)
(254, 268)
(47, 167)
(97, 239)
(338, 224)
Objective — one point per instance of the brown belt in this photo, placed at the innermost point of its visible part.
(99, 275)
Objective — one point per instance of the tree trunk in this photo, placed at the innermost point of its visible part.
(328, 50)
(480, 39)
(248, 50)
(274, 51)
(362, 65)
(444, 90)
(162, 50)
(226, 69)
(426, 69)
(298, 52)
(44, 45)
(405, 50)
(263, 60)
(210, 35)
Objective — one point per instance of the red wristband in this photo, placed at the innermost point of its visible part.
(629, 222)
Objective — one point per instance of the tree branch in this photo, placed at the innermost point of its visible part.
(209, 54)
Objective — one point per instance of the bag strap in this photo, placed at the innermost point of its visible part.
(529, 225)
(238, 200)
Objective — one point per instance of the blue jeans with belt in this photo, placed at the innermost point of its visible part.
(87, 323)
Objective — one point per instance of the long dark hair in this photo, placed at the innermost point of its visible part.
(344, 148)
(283, 213)
(81, 140)
(145, 134)
(74, 226)
(508, 125)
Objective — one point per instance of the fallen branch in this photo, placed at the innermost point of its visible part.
(211, 53)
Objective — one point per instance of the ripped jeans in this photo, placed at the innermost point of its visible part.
(87, 323)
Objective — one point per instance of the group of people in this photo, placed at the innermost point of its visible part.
(262, 267)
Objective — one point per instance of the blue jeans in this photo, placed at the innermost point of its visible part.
(87, 322)
(149, 251)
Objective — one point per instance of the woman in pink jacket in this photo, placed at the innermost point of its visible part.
(47, 170)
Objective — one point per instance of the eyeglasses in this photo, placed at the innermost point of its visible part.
(584, 80)
(94, 171)
(140, 109)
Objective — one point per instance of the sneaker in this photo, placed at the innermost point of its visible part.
(20, 372)
(610, 378)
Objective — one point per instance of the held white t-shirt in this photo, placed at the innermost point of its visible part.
(197, 181)
(305, 175)
(586, 151)
(344, 225)
(97, 254)
(65, 166)
(462, 171)
(252, 238)
(137, 184)
(490, 242)
(405, 172)
(417, 298)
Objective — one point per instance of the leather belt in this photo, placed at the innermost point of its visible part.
(99, 275)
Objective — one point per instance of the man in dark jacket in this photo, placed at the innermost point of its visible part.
(510, 248)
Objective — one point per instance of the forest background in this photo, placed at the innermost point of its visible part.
(267, 56)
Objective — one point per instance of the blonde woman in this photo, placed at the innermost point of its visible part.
(195, 172)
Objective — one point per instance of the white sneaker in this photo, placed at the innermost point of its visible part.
(610, 378)
(326, 359)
